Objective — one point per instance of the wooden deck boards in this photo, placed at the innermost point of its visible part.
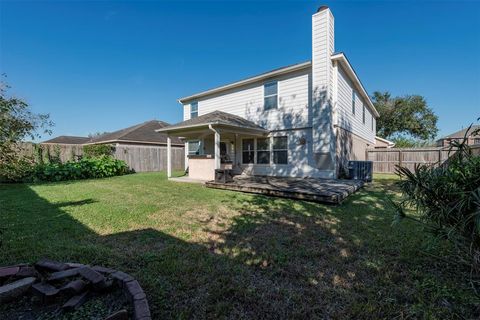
(319, 190)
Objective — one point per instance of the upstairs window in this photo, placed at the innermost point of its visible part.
(263, 150)
(193, 147)
(248, 151)
(354, 97)
(280, 150)
(372, 121)
(270, 93)
(363, 114)
(193, 110)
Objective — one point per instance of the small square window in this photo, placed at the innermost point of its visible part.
(193, 147)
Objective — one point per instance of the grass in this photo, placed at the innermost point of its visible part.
(206, 253)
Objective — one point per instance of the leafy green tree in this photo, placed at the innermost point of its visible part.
(404, 142)
(17, 122)
(404, 116)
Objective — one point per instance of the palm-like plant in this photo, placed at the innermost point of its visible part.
(447, 197)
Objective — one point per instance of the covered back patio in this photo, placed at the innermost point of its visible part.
(220, 142)
(213, 142)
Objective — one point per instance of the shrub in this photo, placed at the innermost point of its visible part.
(16, 169)
(97, 150)
(86, 168)
(448, 199)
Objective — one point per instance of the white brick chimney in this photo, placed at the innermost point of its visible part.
(322, 85)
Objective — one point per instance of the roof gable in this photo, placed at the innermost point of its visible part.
(215, 118)
(143, 132)
(340, 57)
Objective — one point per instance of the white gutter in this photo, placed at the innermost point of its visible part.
(209, 124)
(128, 141)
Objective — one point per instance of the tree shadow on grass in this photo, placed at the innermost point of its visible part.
(274, 258)
(318, 261)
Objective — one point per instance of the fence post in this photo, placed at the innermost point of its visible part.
(399, 158)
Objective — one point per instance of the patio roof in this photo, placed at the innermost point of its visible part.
(215, 118)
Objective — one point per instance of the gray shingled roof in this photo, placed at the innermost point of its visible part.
(143, 132)
(215, 118)
(68, 140)
(461, 133)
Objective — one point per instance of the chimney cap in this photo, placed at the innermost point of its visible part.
(321, 8)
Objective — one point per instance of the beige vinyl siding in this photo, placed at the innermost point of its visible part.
(247, 102)
(322, 48)
(300, 160)
(345, 118)
(186, 112)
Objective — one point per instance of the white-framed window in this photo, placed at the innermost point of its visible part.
(270, 95)
(248, 151)
(373, 119)
(280, 150)
(193, 147)
(354, 97)
(363, 114)
(263, 150)
(193, 110)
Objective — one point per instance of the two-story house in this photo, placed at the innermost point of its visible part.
(472, 137)
(303, 120)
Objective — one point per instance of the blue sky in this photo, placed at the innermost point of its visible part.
(104, 65)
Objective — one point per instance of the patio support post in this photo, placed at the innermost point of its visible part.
(217, 147)
(169, 157)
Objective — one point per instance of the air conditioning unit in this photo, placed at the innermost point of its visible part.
(360, 170)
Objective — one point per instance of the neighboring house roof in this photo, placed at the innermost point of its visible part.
(143, 133)
(461, 133)
(259, 77)
(388, 143)
(342, 58)
(214, 118)
(67, 140)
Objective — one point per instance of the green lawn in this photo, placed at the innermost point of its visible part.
(206, 253)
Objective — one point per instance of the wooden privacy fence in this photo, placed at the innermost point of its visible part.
(65, 152)
(385, 160)
(139, 158)
(150, 158)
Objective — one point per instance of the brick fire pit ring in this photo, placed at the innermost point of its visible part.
(54, 282)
